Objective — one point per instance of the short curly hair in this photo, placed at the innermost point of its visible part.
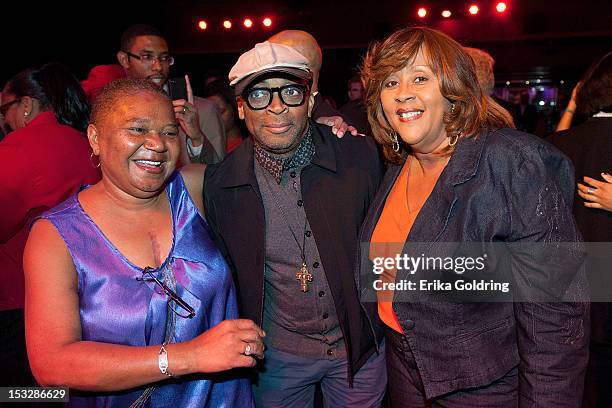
(456, 74)
(109, 95)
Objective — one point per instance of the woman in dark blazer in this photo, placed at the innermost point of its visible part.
(458, 173)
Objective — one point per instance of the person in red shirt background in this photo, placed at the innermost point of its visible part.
(46, 158)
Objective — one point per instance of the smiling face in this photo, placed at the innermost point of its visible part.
(414, 106)
(137, 143)
(156, 70)
(278, 128)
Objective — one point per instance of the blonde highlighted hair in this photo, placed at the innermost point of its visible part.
(473, 110)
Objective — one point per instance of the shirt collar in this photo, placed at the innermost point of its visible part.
(275, 165)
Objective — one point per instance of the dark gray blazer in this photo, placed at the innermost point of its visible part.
(507, 186)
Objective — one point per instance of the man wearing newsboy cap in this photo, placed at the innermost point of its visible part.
(285, 208)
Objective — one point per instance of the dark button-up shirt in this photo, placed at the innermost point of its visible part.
(296, 322)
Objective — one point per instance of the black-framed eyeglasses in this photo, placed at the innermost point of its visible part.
(260, 98)
(149, 59)
(147, 276)
(5, 107)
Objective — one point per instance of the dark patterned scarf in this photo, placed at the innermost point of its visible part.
(275, 165)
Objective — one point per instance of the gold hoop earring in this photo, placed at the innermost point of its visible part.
(91, 156)
(452, 140)
(394, 142)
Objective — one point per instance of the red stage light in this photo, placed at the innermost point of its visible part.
(248, 23)
(446, 13)
(267, 22)
(473, 9)
(227, 24)
(202, 25)
(501, 7)
(422, 12)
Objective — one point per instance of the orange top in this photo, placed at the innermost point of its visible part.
(388, 241)
(392, 231)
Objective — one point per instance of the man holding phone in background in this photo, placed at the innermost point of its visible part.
(144, 55)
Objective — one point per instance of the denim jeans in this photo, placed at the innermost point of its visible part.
(289, 381)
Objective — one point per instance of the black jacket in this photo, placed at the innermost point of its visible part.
(589, 146)
(337, 188)
(504, 186)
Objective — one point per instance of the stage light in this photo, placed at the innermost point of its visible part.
(267, 22)
(202, 25)
(248, 23)
(473, 9)
(501, 7)
(227, 24)
(446, 13)
(507, 82)
(422, 12)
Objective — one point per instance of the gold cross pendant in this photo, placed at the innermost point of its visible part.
(304, 277)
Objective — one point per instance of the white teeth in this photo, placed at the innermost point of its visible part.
(149, 162)
(408, 115)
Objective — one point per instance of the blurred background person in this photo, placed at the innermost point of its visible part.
(99, 76)
(565, 122)
(355, 109)
(484, 62)
(458, 173)
(127, 296)
(324, 108)
(589, 146)
(525, 114)
(2, 130)
(45, 158)
(219, 92)
(144, 54)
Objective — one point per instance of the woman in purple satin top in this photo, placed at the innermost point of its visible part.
(128, 301)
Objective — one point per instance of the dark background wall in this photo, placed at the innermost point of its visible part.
(538, 38)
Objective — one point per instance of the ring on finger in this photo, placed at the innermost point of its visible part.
(247, 350)
(185, 109)
(589, 190)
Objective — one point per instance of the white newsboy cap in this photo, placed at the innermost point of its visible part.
(267, 57)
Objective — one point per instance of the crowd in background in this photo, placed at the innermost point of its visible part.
(52, 144)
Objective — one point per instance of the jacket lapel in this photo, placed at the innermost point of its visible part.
(436, 212)
(239, 169)
(378, 203)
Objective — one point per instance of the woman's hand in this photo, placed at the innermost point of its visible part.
(597, 194)
(230, 344)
